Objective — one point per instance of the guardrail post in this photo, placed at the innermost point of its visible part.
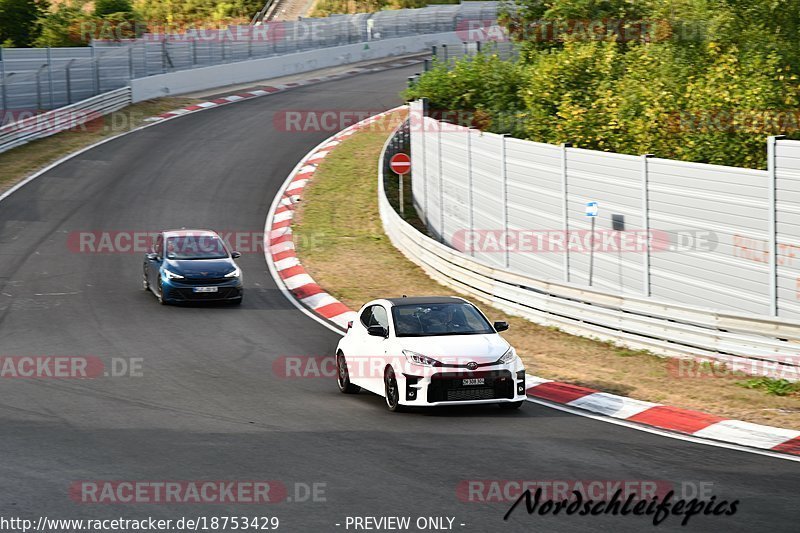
(434, 51)
(444, 49)
(565, 209)
(772, 235)
(504, 180)
(427, 63)
(50, 77)
(645, 225)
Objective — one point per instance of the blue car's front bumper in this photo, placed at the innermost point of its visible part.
(184, 290)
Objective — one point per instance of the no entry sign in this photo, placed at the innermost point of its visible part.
(400, 164)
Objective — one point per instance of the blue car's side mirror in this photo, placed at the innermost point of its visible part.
(236, 255)
(152, 256)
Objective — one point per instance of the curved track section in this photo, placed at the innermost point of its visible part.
(209, 405)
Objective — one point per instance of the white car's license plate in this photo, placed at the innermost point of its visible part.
(206, 289)
(473, 381)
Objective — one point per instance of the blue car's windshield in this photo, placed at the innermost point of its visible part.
(195, 247)
(429, 320)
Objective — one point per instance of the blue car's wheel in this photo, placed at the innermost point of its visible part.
(161, 298)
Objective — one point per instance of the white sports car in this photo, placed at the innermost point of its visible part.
(425, 351)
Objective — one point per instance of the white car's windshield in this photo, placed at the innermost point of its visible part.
(196, 247)
(426, 320)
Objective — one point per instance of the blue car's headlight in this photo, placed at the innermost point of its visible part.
(235, 274)
(171, 275)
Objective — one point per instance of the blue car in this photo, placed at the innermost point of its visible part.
(192, 266)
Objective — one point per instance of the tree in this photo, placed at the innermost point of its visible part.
(109, 7)
(19, 20)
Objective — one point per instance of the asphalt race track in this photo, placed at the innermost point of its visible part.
(208, 405)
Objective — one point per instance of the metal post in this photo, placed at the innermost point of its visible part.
(478, 47)
(222, 48)
(50, 77)
(591, 250)
(146, 66)
(131, 72)
(444, 47)
(441, 181)
(772, 235)
(39, 87)
(427, 65)
(504, 179)
(411, 82)
(424, 165)
(470, 186)
(95, 84)
(68, 76)
(164, 55)
(434, 52)
(565, 209)
(194, 51)
(3, 97)
(646, 225)
(400, 183)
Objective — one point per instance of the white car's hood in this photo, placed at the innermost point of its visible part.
(447, 348)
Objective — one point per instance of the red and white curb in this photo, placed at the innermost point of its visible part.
(272, 89)
(281, 251)
(697, 426)
(684, 421)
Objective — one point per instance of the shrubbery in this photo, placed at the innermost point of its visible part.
(707, 81)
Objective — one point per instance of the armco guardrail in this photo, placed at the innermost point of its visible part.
(75, 116)
(767, 346)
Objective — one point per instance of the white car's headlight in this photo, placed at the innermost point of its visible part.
(171, 275)
(508, 357)
(235, 274)
(418, 359)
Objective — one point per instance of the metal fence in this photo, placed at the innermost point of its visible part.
(37, 78)
(755, 344)
(717, 237)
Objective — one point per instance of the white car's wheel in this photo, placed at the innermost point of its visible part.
(392, 391)
(343, 376)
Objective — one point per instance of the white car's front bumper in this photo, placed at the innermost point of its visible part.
(501, 383)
